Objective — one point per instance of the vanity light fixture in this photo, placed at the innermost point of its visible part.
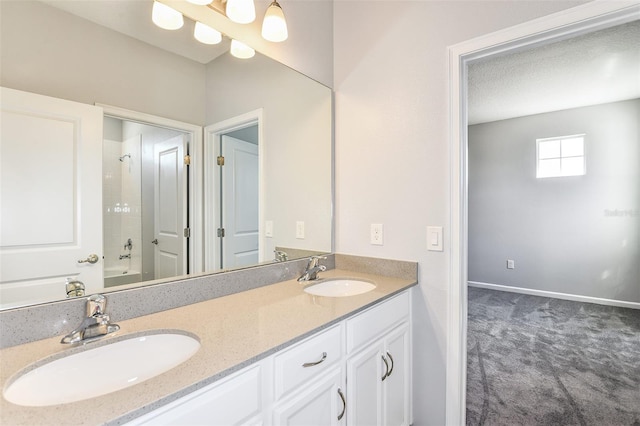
(274, 26)
(165, 17)
(241, 11)
(241, 50)
(205, 34)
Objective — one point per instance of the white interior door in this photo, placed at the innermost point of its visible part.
(170, 205)
(240, 192)
(51, 147)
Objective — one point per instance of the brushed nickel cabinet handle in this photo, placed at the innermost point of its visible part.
(344, 404)
(391, 369)
(311, 364)
(386, 373)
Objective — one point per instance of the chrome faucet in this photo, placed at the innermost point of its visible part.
(281, 256)
(312, 269)
(95, 325)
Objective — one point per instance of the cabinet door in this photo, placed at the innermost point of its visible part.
(364, 390)
(236, 400)
(396, 384)
(320, 404)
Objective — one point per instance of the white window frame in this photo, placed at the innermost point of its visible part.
(561, 157)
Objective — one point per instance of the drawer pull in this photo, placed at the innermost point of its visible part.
(391, 369)
(311, 364)
(344, 404)
(386, 373)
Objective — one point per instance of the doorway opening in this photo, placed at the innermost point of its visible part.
(147, 211)
(576, 21)
(234, 158)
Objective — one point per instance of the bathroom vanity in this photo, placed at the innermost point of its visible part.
(270, 355)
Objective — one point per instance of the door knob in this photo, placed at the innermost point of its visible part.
(155, 241)
(93, 258)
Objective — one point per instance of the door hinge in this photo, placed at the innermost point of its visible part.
(187, 160)
(220, 160)
(221, 232)
(187, 232)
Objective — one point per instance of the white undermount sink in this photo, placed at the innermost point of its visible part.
(339, 287)
(101, 370)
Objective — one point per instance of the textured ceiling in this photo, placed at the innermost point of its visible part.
(591, 69)
(133, 18)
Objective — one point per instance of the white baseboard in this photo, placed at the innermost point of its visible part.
(565, 296)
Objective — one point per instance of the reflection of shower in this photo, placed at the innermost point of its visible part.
(123, 157)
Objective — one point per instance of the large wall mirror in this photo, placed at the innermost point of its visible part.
(160, 156)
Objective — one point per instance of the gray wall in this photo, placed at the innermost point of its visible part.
(297, 143)
(47, 51)
(576, 235)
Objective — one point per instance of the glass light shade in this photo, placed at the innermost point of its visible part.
(241, 50)
(166, 17)
(200, 2)
(274, 26)
(205, 34)
(241, 11)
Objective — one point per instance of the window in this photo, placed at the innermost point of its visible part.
(561, 156)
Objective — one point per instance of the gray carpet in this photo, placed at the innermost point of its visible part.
(541, 361)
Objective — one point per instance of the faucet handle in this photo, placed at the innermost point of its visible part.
(96, 304)
(313, 261)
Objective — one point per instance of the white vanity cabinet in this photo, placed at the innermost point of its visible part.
(235, 400)
(379, 365)
(356, 372)
(309, 381)
(320, 402)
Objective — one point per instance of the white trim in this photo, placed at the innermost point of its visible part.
(213, 133)
(568, 23)
(196, 245)
(556, 295)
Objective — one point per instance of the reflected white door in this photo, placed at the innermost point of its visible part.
(51, 147)
(170, 203)
(240, 192)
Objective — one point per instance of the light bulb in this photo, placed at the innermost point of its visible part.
(274, 26)
(166, 17)
(241, 11)
(241, 50)
(200, 2)
(205, 34)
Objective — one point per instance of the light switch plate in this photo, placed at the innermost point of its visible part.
(268, 228)
(434, 238)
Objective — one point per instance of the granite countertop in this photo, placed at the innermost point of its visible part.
(234, 331)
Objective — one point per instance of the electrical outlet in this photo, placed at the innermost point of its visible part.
(300, 230)
(377, 234)
(511, 264)
(268, 228)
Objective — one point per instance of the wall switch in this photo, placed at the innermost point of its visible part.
(300, 230)
(268, 228)
(434, 238)
(377, 234)
(511, 264)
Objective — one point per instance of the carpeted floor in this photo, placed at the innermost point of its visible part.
(541, 361)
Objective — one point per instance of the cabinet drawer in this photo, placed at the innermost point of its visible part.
(235, 400)
(372, 323)
(307, 359)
